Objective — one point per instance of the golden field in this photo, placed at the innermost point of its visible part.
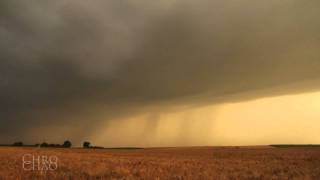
(167, 163)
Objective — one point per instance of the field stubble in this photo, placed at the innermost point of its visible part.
(168, 163)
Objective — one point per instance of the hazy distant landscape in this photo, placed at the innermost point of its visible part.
(261, 162)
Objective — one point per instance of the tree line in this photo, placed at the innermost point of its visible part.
(66, 144)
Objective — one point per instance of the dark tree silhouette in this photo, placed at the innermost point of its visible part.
(86, 144)
(67, 144)
(44, 144)
(18, 144)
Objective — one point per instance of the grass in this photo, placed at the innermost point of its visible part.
(168, 163)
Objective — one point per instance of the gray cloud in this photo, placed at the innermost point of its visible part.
(65, 58)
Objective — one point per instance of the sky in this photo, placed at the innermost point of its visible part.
(167, 73)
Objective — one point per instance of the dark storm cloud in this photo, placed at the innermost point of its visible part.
(222, 48)
(61, 57)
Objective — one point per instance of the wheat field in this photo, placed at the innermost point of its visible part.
(167, 163)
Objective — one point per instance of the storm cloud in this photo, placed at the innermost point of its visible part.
(64, 62)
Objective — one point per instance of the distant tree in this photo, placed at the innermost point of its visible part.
(86, 144)
(18, 144)
(54, 145)
(67, 144)
(44, 144)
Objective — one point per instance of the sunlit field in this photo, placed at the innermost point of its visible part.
(167, 163)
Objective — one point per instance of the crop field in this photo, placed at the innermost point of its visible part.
(160, 163)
